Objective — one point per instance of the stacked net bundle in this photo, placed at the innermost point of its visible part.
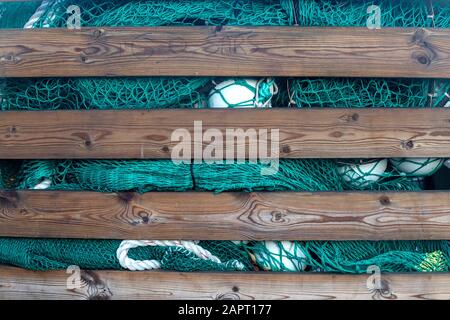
(54, 254)
(107, 175)
(103, 93)
(285, 175)
(355, 13)
(169, 12)
(352, 256)
(363, 93)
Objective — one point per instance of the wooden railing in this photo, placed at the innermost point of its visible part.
(324, 133)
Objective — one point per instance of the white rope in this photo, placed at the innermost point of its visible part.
(38, 14)
(136, 265)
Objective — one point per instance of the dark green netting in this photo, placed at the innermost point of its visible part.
(140, 93)
(102, 93)
(108, 175)
(345, 13)
(362, 93)
(383, 174)
(10, 173)
(174, 12)
(316, 256)
(353, 13)
(165, 175)
(292, 175)
(353, 256)
(54, 254)
(16, 14)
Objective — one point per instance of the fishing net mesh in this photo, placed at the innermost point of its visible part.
(398, 174)
(174, 12)
(355, 13)
(312, 256)
(108, 175)
(54, 254)
(353, 256)
(103, 93)
(163, 92)
(165, 175)
(363, 93)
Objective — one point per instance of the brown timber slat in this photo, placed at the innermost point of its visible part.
(303, 133)
(21, 284)
(227, 216)
(225, 51)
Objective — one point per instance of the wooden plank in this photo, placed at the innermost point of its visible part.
(21, 284)
(226, 216)
(303, 133)
(225, 51)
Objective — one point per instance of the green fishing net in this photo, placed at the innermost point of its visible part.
(115, 13)
(108, 175)
(140, 93)
(354, 13)
(103, 93)
(54, 254)
(383, 174)
(352, 256)
(363, 93)
(16, 14)
(292, 175)
(165, 175)
(311, 256)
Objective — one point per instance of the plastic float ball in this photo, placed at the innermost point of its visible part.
(240, 242)
(280, 256)
(362, 173)
(447, 163)
(45, 184)
(243, 93)
(417, 166)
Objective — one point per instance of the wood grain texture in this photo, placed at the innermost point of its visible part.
(225, 51)
(226, 216)
(303, 133)
(21, 284)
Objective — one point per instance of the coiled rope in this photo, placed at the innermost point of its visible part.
(140, 265)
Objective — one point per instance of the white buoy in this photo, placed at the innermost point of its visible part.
(45, 184)
(242, 93)
(281, 256)
(417, 166)
(364, 173)
(240, 242)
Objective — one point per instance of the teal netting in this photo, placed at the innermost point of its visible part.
(383, 174)
(16, 14)
(54, 254)
(103, 93)
(393, 13)
(108, 175)
(174, 12)
(363, 93)
(352, 256)
(292, 175)
(165, 175)
(312, 256)
(344, 13)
